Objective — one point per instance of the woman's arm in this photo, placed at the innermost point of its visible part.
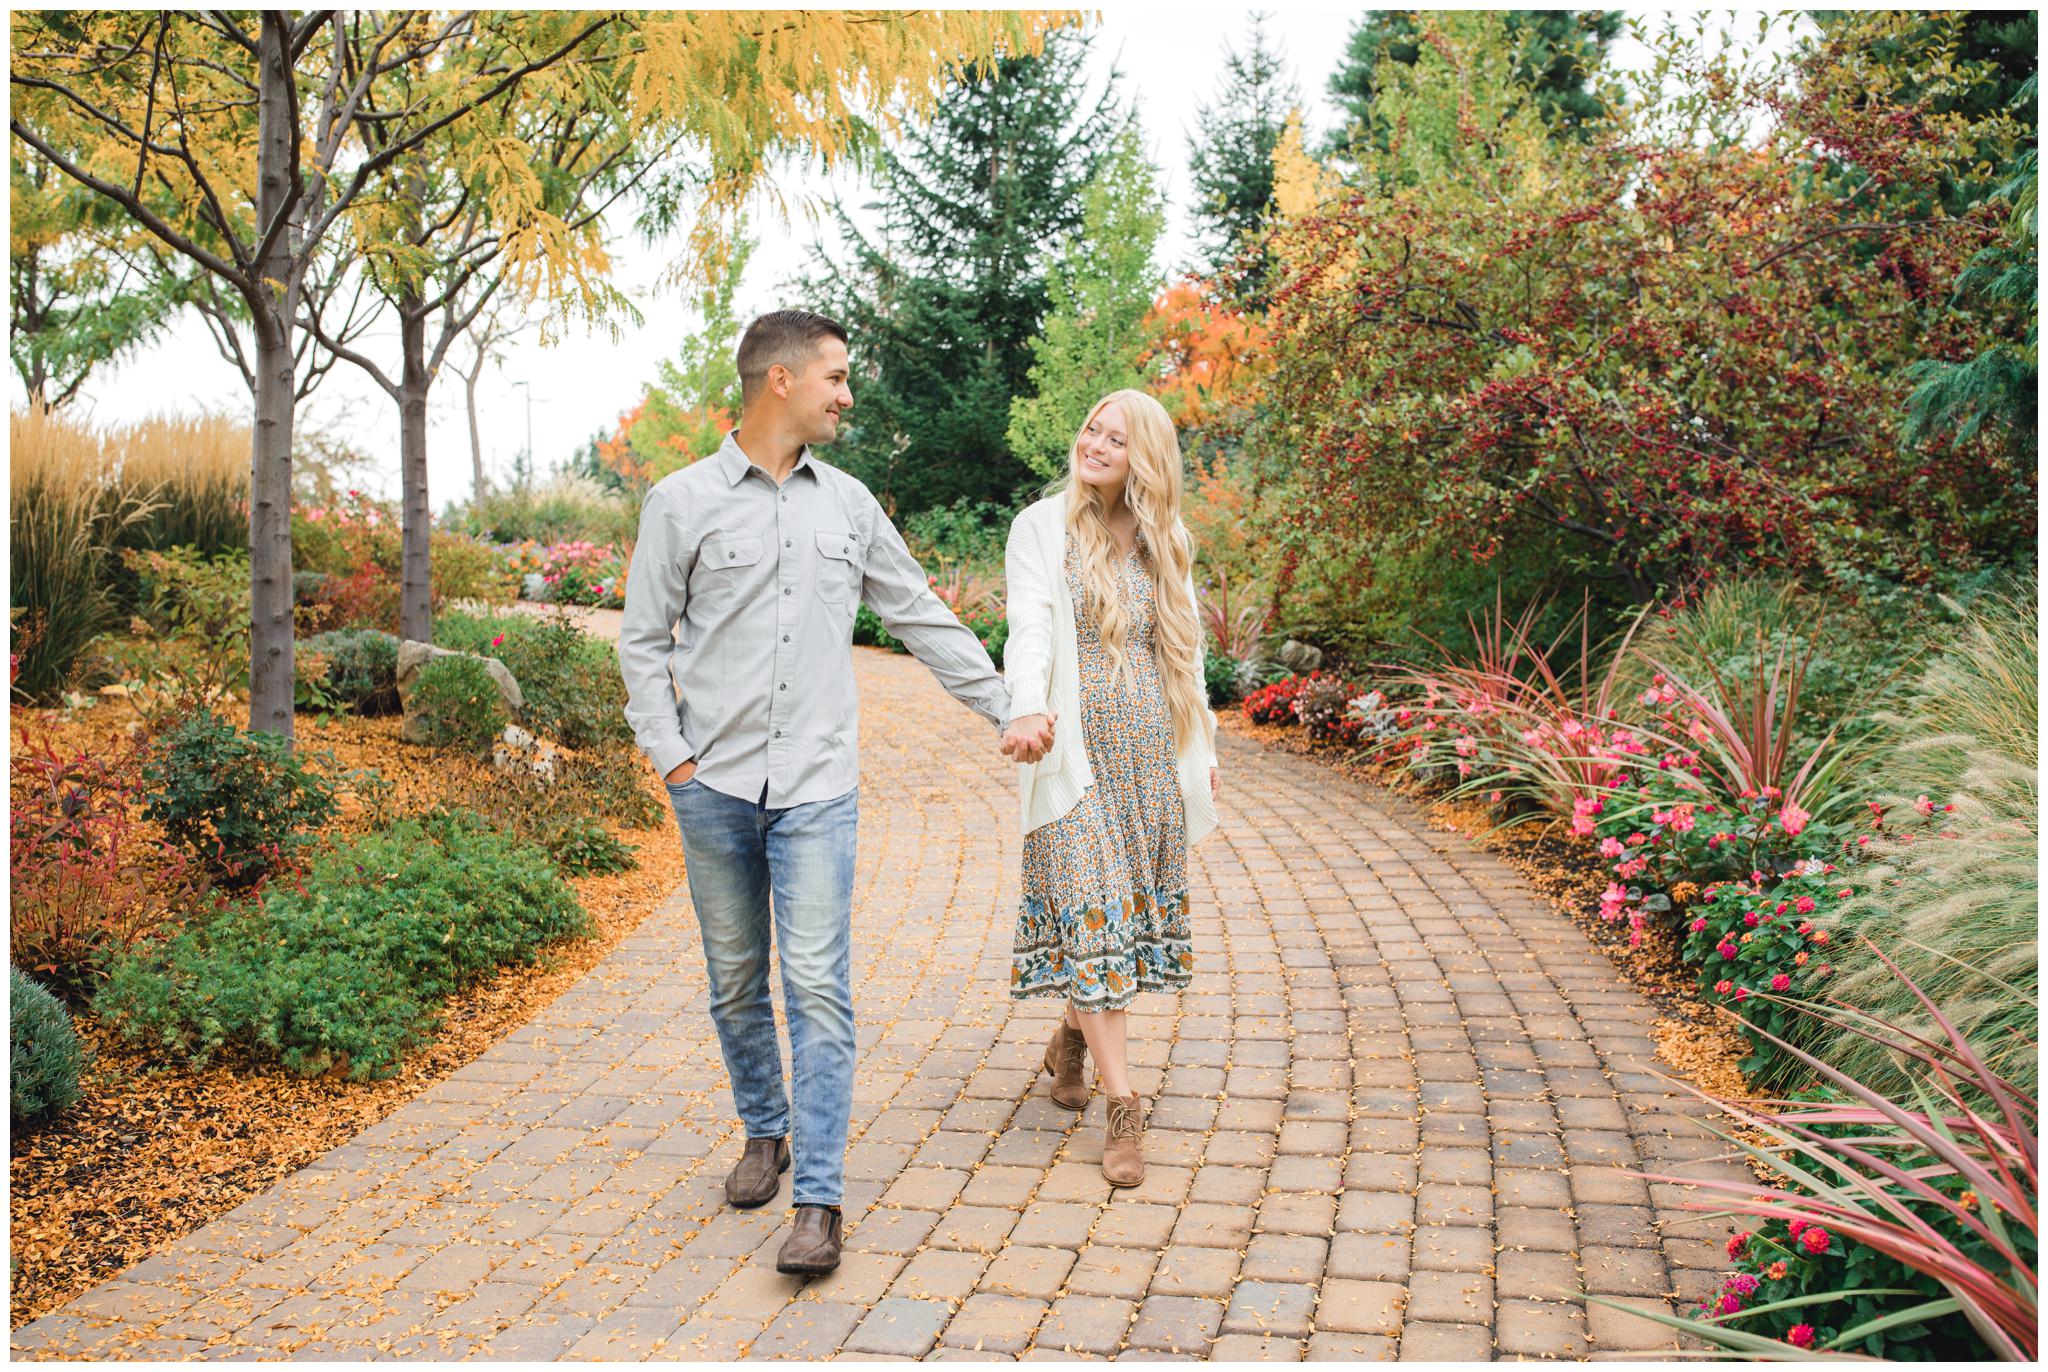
(1027, 653)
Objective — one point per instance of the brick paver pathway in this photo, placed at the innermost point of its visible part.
(1385, 1122)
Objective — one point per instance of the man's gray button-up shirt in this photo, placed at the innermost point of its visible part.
(737, 641)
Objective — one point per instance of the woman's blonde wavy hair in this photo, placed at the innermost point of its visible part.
(1153, 491)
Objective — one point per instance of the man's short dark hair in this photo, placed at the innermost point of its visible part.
(790, 337)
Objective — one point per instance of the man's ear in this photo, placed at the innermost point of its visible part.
(780, 380)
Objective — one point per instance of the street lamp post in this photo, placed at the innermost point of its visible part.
(527, 386)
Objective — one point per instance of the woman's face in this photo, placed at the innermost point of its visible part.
(1104, 462)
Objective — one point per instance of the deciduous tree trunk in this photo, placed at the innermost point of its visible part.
(270, 462)
(415, 605)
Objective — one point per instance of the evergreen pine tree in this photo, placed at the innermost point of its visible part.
(943, 308)
(1231, 158)
(1559, 49)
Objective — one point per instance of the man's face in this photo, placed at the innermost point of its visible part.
(818, 392)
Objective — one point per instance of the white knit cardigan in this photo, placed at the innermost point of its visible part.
(1042, 665)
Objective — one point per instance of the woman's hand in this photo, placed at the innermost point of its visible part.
(1029, 737)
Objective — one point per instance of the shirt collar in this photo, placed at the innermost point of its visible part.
(734, 462)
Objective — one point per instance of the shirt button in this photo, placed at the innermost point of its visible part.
(788, 543)
(785, 590)
(783, 687)
(785, 638)
(778, 733)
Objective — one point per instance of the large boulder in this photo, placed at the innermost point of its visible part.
(413, 655)
(1298, 657)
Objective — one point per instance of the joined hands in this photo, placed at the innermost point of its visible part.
(1029, 738)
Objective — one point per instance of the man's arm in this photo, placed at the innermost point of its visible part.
(657, 590)
(894, 586)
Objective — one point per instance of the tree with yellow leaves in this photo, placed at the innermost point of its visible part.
(242, 149)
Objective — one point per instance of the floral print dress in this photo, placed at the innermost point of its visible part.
(1105, 909)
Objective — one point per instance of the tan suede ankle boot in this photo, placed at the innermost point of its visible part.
(1065, 1058)
(1123, 1146)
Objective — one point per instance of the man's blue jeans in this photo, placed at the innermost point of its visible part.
(737, 853)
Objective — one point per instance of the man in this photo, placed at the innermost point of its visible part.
(761, 554)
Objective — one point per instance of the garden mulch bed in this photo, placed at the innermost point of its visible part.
(1690, 1035)
(154, 1151)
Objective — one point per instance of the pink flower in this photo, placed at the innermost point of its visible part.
(1699, 926)
(1738, 1244)
(1814, 1240)
(1801, 1336)
(1797, 1227)
(498, 642)
(1793, 818)
(1742, 993)
(1723, 987)
(1730, 1303)
(1727, 951)
(1804, 905)
(1781, 982)
(1583, 810)
(1612, 847)
(1749, 918)
(1923, 805)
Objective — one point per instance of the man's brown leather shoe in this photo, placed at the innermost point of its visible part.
(813, 1243)
(754, 1182)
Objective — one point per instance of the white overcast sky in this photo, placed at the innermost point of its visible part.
(1171, 57)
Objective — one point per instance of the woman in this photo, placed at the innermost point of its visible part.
(1104, 633)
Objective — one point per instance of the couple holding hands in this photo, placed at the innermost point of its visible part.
(736, 651)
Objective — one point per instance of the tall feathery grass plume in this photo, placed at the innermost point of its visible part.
(67, 516)
(1957, 904)
(198, 466)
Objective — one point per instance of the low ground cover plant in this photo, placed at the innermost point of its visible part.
(344, 971)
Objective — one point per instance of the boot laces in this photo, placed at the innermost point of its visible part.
(1124, 1121)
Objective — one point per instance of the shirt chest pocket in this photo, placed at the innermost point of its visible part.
(725, 563)
(840, 565)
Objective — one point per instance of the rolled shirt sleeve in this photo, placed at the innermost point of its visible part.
(894, 586)
(657, 593)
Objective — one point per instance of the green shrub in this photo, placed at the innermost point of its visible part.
(362, 669)
(564, 816)
(969, 533)
(464, 568)
(346, 973)
(458, 705)
(243, 803)
(44, 1056)
(569, 679)
(564, 509)
(581, 844)
(612, 783)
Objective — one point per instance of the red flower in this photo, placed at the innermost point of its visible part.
(1780, 982)
(1739, 1244)
(1801, 1336)
(1814, 1240)
(1723, 987)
